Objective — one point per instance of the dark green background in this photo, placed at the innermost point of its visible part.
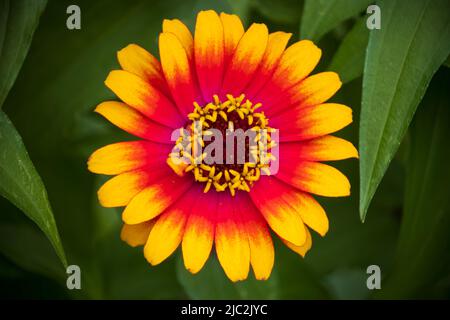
(407, 228)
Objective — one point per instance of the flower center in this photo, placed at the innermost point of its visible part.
(225, 145)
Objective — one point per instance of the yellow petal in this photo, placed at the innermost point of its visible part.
(165, 235)
(317, 178)
(276, 45)
(233, 31)
(182, 32)
(246, 59)
(325, 148)
(120, 157)
(296, 63)
(329, 148)
(209, 52)
(278, 210)
(311, 212)
(301, 204)
(199, 232)
(119, 191)
(303, 249)
(262, 255)
(232, 247)
(325, 118)
(132, 121)
(140, 95)
(317, 88)
(142, 63)
(312, 122)
(136, 234)
(155, 198)
(178, 72)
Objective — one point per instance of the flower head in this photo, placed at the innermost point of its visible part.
(233, 132)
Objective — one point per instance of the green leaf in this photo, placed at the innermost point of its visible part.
(19, 181)
(363, 242)
(401, 59)
(18, 20)
(321, 16)
(348, 61)
(424, 243)
(22, 185)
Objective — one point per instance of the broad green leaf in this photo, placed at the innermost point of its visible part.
(18, 20)
(321, 16)
(424, 243)
(401, 59)
(348, 61)
(358, 245)
(22, 185)
(19, 181)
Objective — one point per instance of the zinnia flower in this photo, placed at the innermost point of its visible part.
(223, 78)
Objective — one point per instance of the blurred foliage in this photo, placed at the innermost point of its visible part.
(18, 20)
(424, 241)
(61, 82)
(283, 12)
(401, 60)
(290, 279)
(21, 184)
(321, 16)
(348, 61)
(19, 181)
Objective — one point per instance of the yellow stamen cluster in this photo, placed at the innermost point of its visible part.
(234, 113)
